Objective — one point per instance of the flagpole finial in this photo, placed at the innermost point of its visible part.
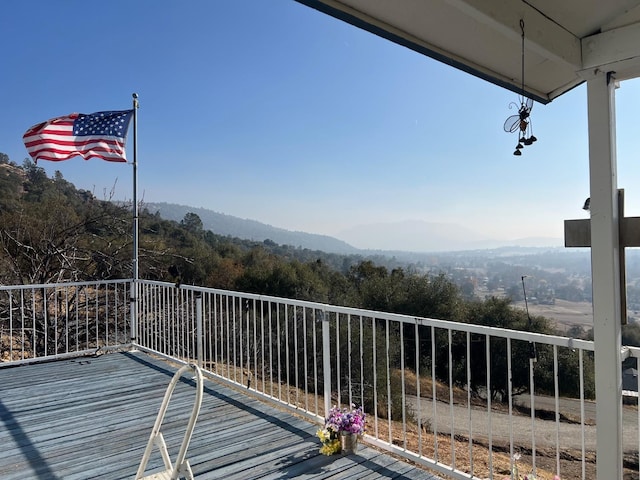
(135, 100)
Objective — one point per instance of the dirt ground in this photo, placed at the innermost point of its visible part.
(500, 462)
(565, 314)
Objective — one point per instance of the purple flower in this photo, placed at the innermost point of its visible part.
(343, 420)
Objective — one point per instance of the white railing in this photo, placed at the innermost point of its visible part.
(271, 346)
(425, 398)
(465, 400)
(41, 322)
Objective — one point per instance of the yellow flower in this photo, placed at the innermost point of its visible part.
(323, 435)
(330, 447)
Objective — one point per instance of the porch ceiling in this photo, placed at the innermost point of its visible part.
(566, 40)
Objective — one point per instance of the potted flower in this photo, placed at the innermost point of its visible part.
(341, 430)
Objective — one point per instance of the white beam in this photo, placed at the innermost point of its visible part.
(542, 35)
(605, 272)
(620, 45)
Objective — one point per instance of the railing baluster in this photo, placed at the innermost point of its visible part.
(115, 313)
(374, 370)
(361, 361)
(556, 393)
(278, 343)
(316, 380)
(510, 394)
(338, 370)
(11, 325)
(305, 349)
(326, 362)
(106, 323)
(532, 404)
(269, 309)
(420, 418)
(287, 354)
(86, 317)
(582, 416)
(214, 335)
(403, 390)
(388, 374)
(487, 341)
(45, 317)
(241, 336)
(66, 323)
(451, 410)
(255, 344)
(263, 346)
(349, 372)
(469, 419)
(199, 330)
(434, 395)
(227, 356)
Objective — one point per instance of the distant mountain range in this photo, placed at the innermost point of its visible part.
(382, 239)
(420, 236)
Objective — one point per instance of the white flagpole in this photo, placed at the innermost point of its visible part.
(134, 285)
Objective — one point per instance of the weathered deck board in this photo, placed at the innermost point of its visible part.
(91, 418)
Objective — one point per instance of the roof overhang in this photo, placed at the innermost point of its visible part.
(566, 41)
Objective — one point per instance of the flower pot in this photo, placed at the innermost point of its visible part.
(349, 443)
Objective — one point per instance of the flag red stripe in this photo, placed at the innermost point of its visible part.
(71, 143)
(71, 155)
(95, 149)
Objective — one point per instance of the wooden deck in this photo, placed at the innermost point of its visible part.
(91, 418)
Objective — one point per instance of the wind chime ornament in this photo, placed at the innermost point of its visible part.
(521, 122)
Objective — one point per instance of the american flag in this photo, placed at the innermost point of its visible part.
(100, 134)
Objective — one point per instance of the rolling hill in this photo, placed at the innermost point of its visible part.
(228, 225)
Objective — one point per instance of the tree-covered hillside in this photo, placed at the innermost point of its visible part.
(251, 229)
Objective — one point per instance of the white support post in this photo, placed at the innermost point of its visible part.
(605, 273)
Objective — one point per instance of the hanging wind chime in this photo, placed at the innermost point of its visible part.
(521, 122)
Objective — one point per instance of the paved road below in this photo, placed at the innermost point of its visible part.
(477, 421)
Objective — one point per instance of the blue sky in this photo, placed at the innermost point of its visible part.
(272, 111)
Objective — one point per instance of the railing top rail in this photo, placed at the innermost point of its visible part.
(63, 284)
(633, 351)
(421, 321)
